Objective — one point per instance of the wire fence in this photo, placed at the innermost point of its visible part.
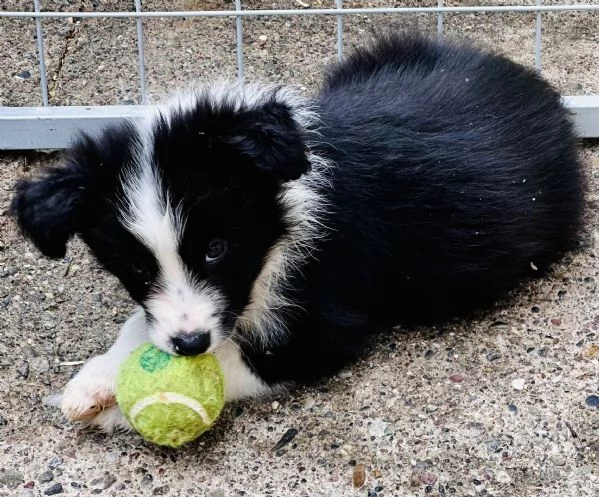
(53, 126)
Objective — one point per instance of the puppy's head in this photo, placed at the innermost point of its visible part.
(183, 207)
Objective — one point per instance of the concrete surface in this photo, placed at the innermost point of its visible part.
(495, 405)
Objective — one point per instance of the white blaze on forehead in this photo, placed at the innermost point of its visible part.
(149, 216)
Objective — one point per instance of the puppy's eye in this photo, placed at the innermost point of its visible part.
(216, 250)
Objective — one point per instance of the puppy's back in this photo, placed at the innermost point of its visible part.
(457, 171)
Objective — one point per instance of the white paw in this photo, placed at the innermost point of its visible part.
(90, 396)
(110, 420)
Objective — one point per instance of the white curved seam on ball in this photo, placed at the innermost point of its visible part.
(169, 398)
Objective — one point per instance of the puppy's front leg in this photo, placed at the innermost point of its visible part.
(240, 381)
(90, 395)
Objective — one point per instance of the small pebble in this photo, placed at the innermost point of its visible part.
(502, 477)
(492, 355)
(147, 479)
(422, 465)
(512, 409)
(287, 437)
(493, 446)
(592, 401)
(556, 322)
(29, 352)
(558, 460)
(3, 421)
(263, 37)
(428, 489)
(456, 378)
(475, 429)
(427, 479)
(275, 405)
(347, 451)
(54, 489)
(29, 484)
(23, 369)
(23, 75)
(55, 462)
(344, 374)
(218, 492)
(359, 475)
(45, 477)
(40, 365)
(10, 271)
(380, 428)
(104, 482)
(161, 490)
(376, 473)
(518, 384)
(591, 352)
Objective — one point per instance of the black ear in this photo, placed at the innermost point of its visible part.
(272, 138)
(48, 209)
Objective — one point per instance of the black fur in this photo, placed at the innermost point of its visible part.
(454, 175)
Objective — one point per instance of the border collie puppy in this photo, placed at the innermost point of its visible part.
(424, 180)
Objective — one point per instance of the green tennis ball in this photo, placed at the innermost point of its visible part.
(170, 400)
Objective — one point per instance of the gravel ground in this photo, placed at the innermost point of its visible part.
(503, 404)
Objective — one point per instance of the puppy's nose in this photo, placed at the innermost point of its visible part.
(191, 343)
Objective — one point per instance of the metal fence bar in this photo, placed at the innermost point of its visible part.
(239, 42)
(339, 5)
(440, 20)
(313, 12)
(538, 31)
(585, 109)
(141, 55)
(41, 55)
(28, 128)
(24, 128)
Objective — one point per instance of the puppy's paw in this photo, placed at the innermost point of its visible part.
(90, 396)
(110, 420)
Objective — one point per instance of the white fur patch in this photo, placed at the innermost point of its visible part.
(304, 213)
(240, 381)
(148, 215)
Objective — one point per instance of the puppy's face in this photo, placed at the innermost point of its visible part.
(183, 208)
